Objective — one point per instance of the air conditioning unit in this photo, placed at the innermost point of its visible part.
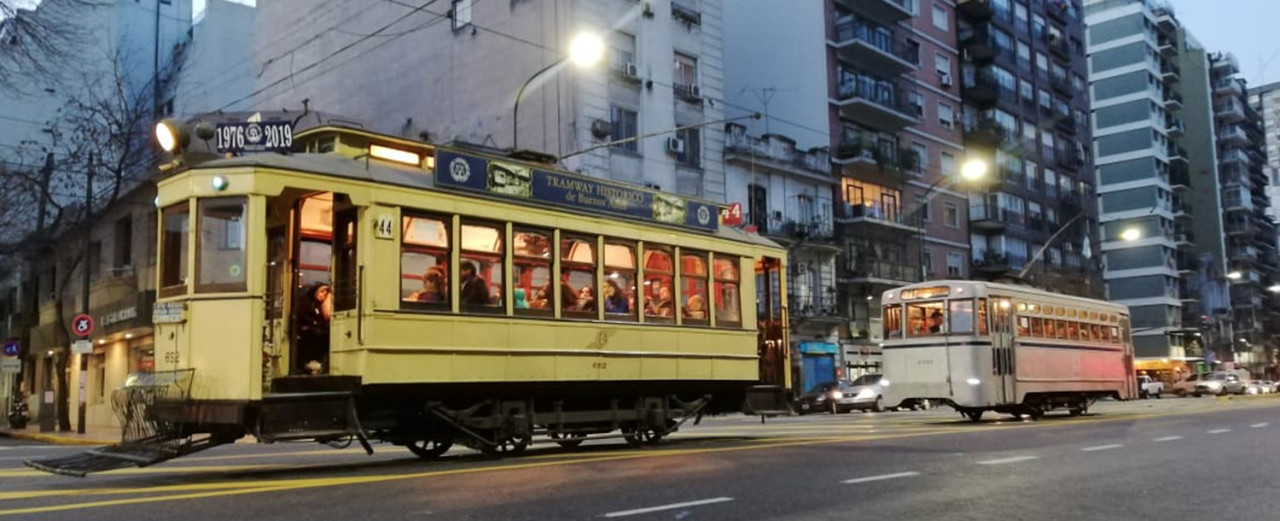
(944, 78)
(695, 92)
(630, 71)
(675, 145)
(601, 128)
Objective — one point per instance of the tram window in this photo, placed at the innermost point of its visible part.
(982, 316)
(1115, 335)
(1050, 328)
(1104, 334)
(893, 321)
(1095, 332)
(693, 288)
(659, 276)
(926, 319)
(1037, 327)
(728, 296)
(221, 245)
(346, 278)
(961, 316)
(480, 270)
(1024, 326)
(1073, 330)
(1064, 332)
(424, 262)
(313, 262)
(532, 260)
(173, 250)
(618, 295)
(578, 277)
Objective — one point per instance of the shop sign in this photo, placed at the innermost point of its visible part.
(120, 315)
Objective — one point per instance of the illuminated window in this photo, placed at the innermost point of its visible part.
(982, 316)
(532, 259)
(693, 288)
(728, 297)
(480, 269)
(1037, 327)
(659, 277)
(578, 277)
(618, 294)
(424, 262)
(926, 319)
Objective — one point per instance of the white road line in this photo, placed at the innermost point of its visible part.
(1260, 425)
(1219, 431)
(1002, 461)
(1101, 447)
(672, 506)
(1168, 438)
(881, 477)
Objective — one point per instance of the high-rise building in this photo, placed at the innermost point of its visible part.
(451, 73)
(1026, 111)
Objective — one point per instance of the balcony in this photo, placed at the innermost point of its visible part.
(875, 47)
(1230, 111)
(1180, 178)
(1062, 85)
(874, 214)
(1172, 100)
(1235, 156)
(1232, 135)
(1170, 72)
(876, 103)
(887, 10)
(1058, 44)
(984, 131)
(686, 14)
(777, 151)
(1057, 9)
(886, 272)
(1176, 154)
(1187, 262)
(807, 230)
(1065, 124)
(994, 263)
(1165, 19)
(1181, 209)
(1240, 227)
(975, 10)
(981, 89)
(1174, 127)
(1166, 46)
(977, 45)
(813, 307)
(1067, 159)
(1228, 87)
(856, 152)
(1223, 63)
(1243, 252)
(988, 219)
(1182, 238)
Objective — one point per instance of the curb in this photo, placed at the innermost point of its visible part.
(1247, 397)
(53, 438)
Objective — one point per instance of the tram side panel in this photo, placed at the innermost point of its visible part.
(1071, 369)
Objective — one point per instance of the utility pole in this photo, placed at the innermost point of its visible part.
(84, 285)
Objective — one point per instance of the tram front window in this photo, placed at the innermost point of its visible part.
(221, 247)
(925, 319)
(893, 321)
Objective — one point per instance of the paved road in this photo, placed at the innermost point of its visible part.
(1174, 459)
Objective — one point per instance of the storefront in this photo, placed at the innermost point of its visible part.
(818, 363)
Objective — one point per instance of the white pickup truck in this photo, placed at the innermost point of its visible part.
(1149, 387)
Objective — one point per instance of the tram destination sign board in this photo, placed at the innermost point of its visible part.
(263, 136)
(521, 181)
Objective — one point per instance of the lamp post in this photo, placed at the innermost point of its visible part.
(1128, 235)
(971, 170)
(584, 51)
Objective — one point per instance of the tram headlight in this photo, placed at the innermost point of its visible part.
(973, 381)
(171, 135)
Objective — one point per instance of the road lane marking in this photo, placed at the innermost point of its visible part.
(1168, 438)
(1259, 425)
(1003, 461)
(881, 477)
(672, 506)
(1101, 447)
(1219, 431)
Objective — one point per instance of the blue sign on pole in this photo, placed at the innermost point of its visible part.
(12, 348)
(521, 181)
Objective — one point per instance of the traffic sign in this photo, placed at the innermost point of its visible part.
(10, 366)
(12, 347)
(82, 325)
(83, 346)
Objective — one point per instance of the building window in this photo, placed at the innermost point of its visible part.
(951, 215)
(942, 63)
(686, 75)
(1032, 178)
(946, 115)
(954, 263)
(622, 51)
(123, 245)
(922, 208)
(922, 155)
(461, 13)
(624, 124)
(916, 101)
(926, 260)
(758, 207)
(1024, 56)
(692, 153)
(948, 164)
(940, 18)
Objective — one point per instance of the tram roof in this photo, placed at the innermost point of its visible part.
(363, 169)
(996, 286)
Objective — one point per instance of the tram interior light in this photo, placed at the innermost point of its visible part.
(395, 154)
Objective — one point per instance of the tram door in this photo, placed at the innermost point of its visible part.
(311, 289)
(1002, 347)
(772, 346)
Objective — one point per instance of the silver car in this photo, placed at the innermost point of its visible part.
(867, 391)
(1221, 383)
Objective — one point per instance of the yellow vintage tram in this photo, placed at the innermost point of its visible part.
(371, 287)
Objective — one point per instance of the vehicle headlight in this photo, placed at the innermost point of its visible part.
(836, 395)
(884, 382)
(1213, 384)
(865, 393)
(973, 381)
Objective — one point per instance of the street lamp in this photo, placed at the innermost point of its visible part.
(1235, 275)
(972, 170)
(584, 51)
(1275, 288)
(1130, 234)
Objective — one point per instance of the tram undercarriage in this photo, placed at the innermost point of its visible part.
(1035, 405)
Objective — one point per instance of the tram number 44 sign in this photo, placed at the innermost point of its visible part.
(82, 325)
(265, 136)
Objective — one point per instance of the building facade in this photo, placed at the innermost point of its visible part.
(1026, 107)
(662, 70)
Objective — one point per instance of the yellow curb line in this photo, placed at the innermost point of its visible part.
(53, 438)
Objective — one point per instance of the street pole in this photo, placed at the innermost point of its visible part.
(1040, 252)
(753, 115)
(918, 217)
(84, 286)
(515, 110)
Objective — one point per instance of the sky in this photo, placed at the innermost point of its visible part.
(1246, 28)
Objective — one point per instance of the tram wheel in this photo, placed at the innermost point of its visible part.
(429, 449)
(509, 447)
(642, 436)
(973, 415)
(568, 440)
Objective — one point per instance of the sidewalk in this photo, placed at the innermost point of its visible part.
(90, 437)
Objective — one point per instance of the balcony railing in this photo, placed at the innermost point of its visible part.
(887, 94)
(810, 306)
(810, 229)
(880, 37)
(868, 268)
(875, 212)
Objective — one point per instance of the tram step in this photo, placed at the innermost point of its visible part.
(140, 453)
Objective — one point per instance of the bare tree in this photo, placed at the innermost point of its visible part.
(39, 42)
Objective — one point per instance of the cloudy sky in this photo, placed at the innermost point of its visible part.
(1246, 28)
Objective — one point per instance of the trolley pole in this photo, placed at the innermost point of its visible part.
(84, 286)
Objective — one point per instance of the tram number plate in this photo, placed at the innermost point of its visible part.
(384, 227)
(265, 136)
(600, 365)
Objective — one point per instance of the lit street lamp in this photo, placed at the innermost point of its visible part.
(1130, 234)
(971, 170)
(584, 51)
(1275, 288)
(1235, 275)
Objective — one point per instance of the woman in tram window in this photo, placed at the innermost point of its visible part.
(615, 301)
(433, 286)
(695, 308)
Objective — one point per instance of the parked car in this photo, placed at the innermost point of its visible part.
(833, 397)
(1149, 387)
(1260, 387)
(1186, 386)
(868, 392)
(1219, 383)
